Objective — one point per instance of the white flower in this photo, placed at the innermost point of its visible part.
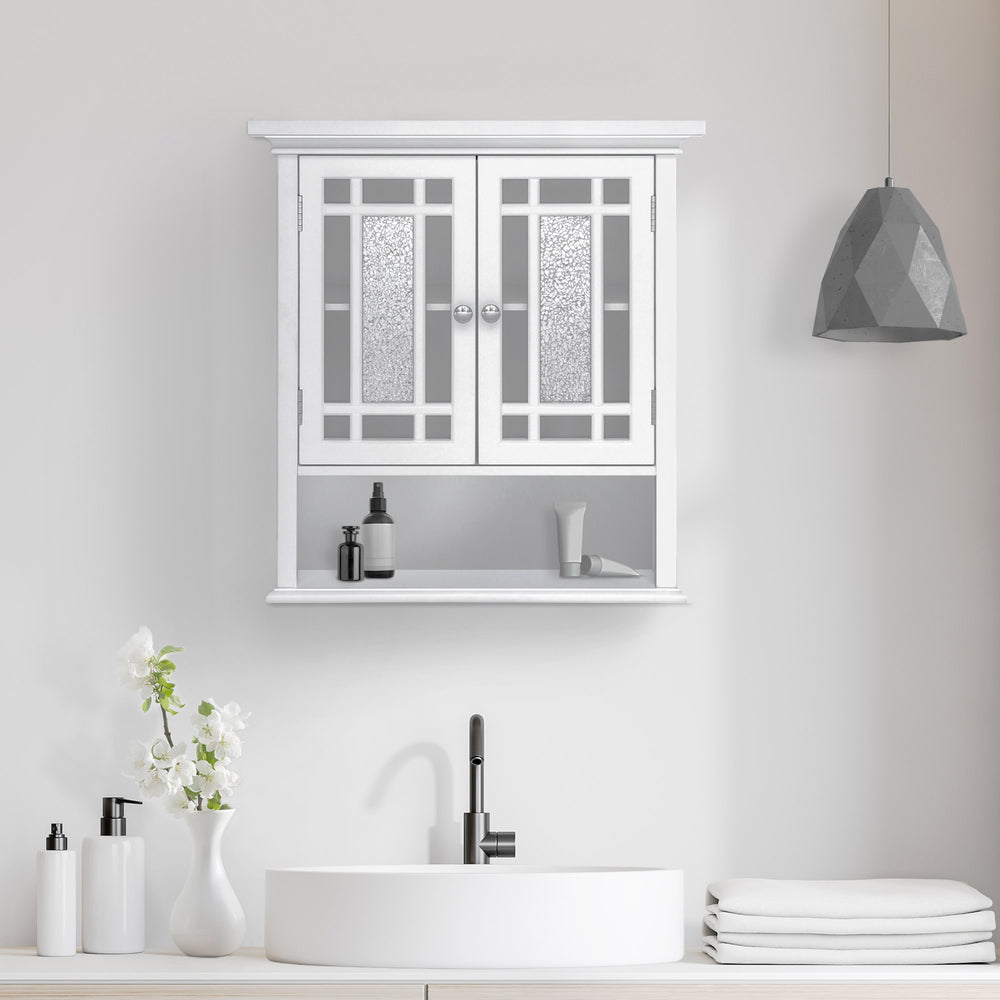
(157, 783)
(185, 770)
(214, 779)
(226, 744)
(136, 658)
(232, 716)
(140, 760)
(178, 802)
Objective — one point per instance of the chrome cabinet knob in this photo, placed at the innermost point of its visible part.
(490, 313)
(462, 314)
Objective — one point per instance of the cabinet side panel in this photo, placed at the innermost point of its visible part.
(288, 368)
(666, 371)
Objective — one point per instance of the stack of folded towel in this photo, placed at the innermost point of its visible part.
(894, 921)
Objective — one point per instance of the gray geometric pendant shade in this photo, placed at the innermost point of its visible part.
(888, 278)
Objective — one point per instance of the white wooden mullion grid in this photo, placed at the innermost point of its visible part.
(638, 449)
(385, 209)
(357, 261)
(419, 319)
(597, 308)
(534, 312)
(314, 449)
(533, 211)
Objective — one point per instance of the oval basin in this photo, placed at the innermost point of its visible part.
(473, 916)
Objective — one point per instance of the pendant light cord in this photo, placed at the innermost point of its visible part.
(888, 93)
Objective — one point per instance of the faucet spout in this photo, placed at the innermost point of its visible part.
(481, 844)
(476, 764)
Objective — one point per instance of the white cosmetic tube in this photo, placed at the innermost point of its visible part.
(569, 518)
(602, 566)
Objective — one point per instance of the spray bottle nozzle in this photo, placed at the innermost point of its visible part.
(376, 504)
(56, 840)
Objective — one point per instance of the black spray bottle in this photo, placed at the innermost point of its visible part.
(378, 535)
(350, 555)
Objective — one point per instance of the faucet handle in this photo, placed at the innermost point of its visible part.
(476, 741)
(498, 845)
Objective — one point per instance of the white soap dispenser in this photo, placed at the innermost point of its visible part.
(114, 885)
(56, 874)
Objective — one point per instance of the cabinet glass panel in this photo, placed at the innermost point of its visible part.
(387, 252)
(387, 308)
(564, 250)
(564, 308)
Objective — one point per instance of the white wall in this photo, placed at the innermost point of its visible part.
(825, 706)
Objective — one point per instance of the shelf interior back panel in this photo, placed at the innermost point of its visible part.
(477, 522)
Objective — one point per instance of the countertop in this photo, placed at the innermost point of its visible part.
(22, 965)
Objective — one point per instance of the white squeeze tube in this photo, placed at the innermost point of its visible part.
(569, 518)
(603, 566)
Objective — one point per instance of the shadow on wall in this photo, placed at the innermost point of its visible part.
(446, 831)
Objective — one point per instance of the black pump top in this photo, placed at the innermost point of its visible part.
(113, 815)
(377, 503)
(56, 841)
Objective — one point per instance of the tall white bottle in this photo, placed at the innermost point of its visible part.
(56, 885)
(114, 886)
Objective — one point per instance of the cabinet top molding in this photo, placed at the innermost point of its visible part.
(475, 135)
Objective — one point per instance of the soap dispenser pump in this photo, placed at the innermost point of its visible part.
(114, 885)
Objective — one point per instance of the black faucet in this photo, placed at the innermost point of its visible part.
(480, 845)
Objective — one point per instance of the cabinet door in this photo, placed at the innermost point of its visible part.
(566, 253)
(386, 252)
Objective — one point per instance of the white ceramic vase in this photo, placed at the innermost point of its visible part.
(207, 919)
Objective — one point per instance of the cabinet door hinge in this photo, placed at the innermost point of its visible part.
(300, 213)
(652, 213)
(652, 407)
(300, 407)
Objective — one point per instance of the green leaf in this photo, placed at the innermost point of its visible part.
(171, 649)
(206, 708)
(166, 666)
(147, 703)
(215, 802)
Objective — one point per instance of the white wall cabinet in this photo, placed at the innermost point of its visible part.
(482, 316)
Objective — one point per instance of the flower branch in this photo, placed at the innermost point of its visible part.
(191, 780)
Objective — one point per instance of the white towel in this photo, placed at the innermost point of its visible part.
(847, 942)
(955, 923)
(882, 897)
(735, 954)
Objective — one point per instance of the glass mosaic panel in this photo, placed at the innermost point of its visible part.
(564, 309)
(387, 308)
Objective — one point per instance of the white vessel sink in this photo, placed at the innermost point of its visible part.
(473, 916)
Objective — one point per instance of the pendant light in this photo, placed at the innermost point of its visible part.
(888, 278)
